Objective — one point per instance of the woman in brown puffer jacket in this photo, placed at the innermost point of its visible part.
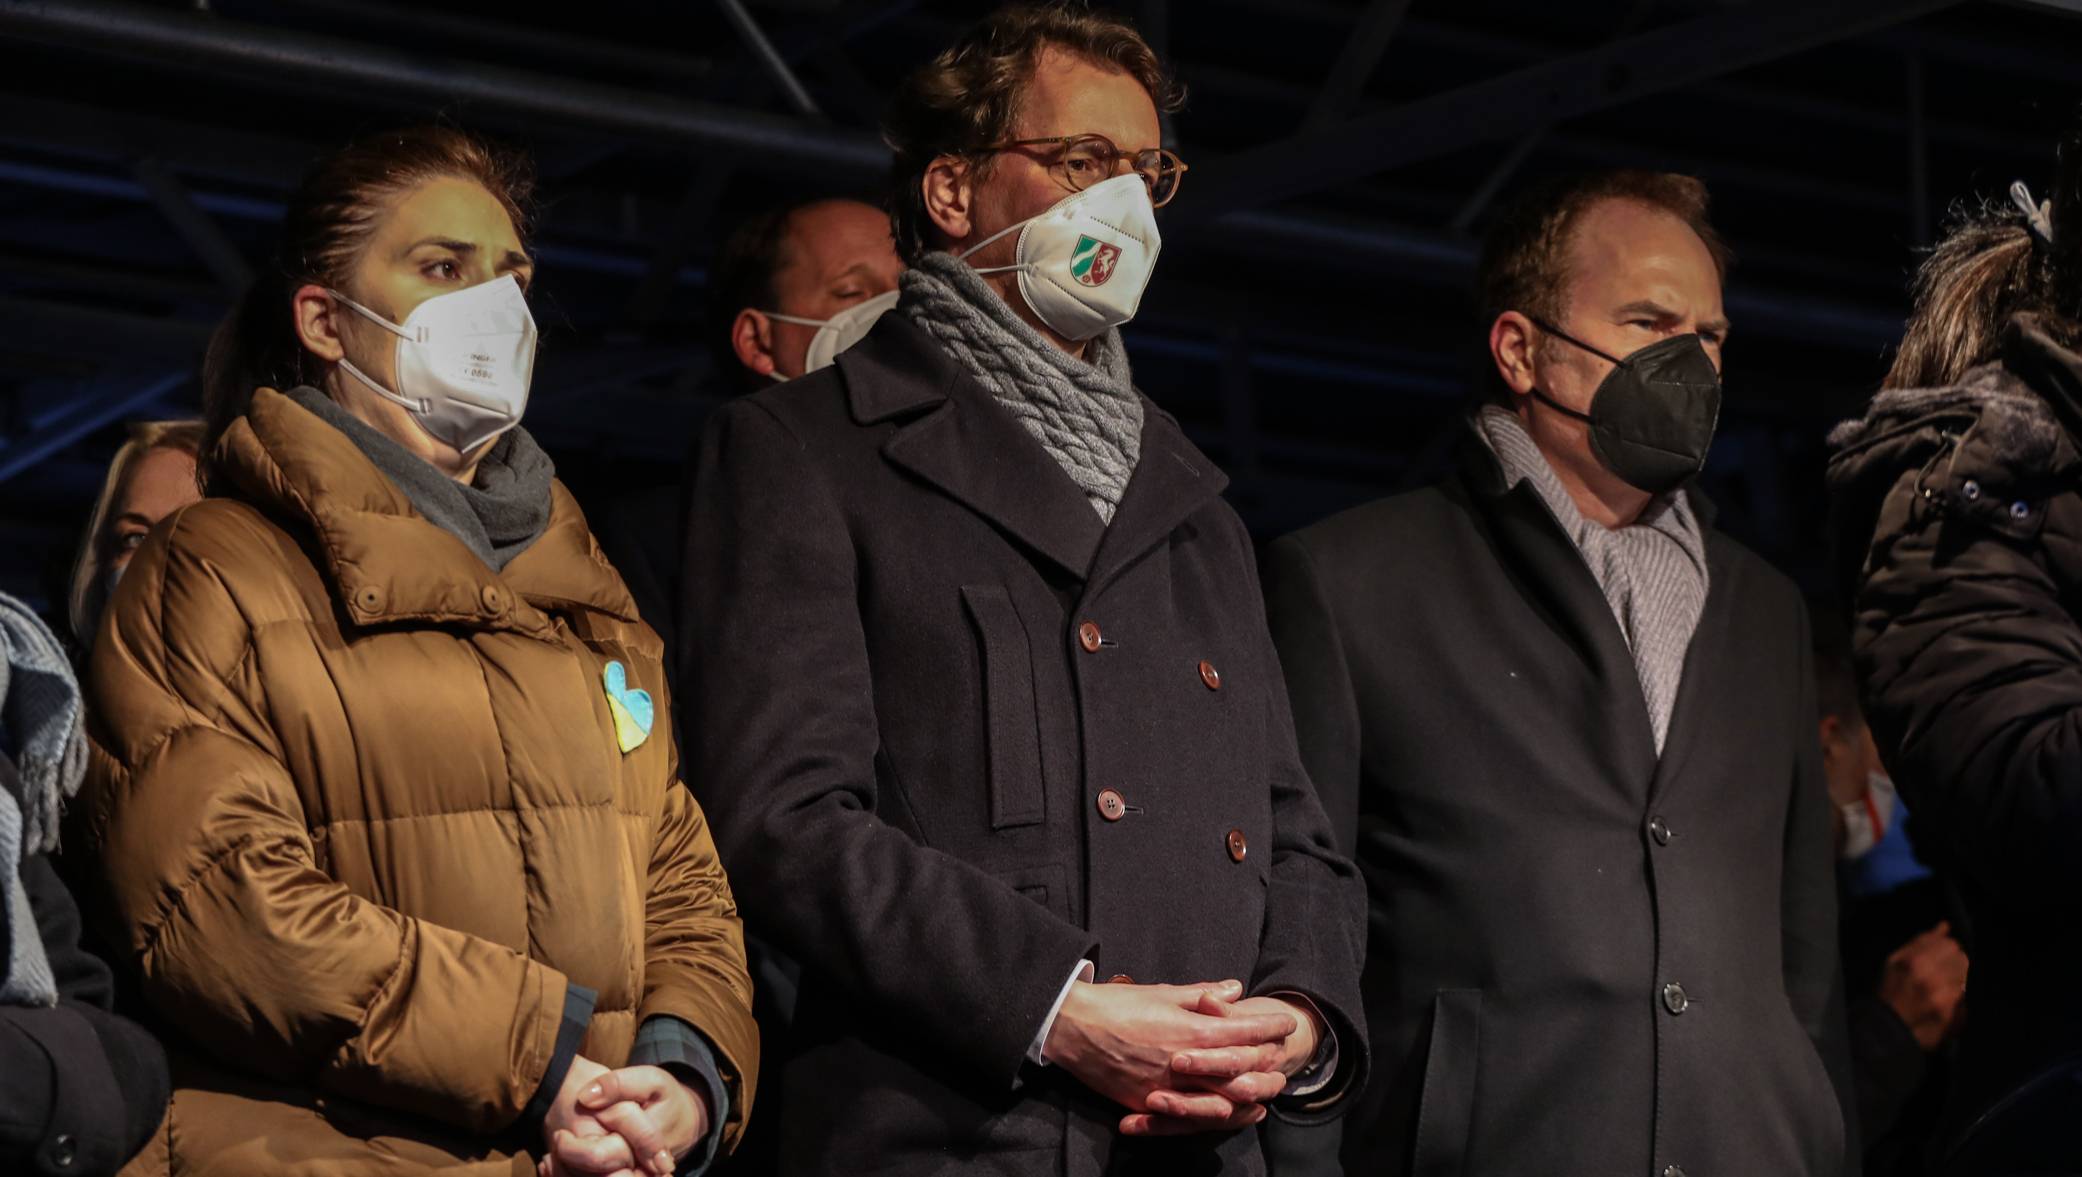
(384, 792)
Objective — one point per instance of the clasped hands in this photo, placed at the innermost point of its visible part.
(1181, 1058)
(635, 1122)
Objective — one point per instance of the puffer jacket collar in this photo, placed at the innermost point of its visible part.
(385, 561)
(2011, 419)
(1997, 447)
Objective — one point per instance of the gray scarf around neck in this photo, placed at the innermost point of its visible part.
(1085, 413)
(498, 517)
(1653, 571)
(41, 713)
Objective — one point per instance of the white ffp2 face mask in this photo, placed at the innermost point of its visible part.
(837, 333)
(464, 361)
(1084, 262)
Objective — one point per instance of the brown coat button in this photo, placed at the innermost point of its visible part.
(493, 599)
(1210, 676)
(1088, 637)
(369, 598)
(1120, 979)
(1237, 846)
(1111, 807)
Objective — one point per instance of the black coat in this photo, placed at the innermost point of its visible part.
(81, 1089)
(924, 672)
(1470, 712)
(1961, 527)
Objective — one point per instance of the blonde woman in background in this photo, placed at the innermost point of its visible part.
(152, 476)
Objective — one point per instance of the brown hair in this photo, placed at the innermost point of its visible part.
(742, 276)
(1524, 265)
(1525, 255)
(89, 590)
(327, 223)
(1989, 267)
(968, 97)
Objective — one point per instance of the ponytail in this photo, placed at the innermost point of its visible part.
(1992, 266)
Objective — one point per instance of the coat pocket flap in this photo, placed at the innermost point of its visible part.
(1016, 794)
(1446, 1106)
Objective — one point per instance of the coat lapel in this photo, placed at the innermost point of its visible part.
(962, 442)
(1552, 577)
(1172, 480)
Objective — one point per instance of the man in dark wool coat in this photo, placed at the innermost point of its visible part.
(986, 715)
(1567, 731)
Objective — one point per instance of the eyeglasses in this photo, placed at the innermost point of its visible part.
(1084, 160)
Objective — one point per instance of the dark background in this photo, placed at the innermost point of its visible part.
(1309, 322)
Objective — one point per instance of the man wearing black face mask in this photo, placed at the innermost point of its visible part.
(1566, 729)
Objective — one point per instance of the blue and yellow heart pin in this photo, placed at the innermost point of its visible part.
(633, 710)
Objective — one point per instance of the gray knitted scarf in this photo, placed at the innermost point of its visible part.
(497, 517)
(40, 712)
(1085, 413)
(1653, 571)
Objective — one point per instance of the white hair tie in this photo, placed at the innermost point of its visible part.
(2038, 216)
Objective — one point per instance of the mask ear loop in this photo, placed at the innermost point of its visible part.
(1558, 333)
(408, 334)
(417, 335)
(1006, 231)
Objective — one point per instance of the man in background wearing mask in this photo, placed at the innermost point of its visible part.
(1904, 972)
(988, 722)
(1566, 729)
(790, 288)
(796, 285)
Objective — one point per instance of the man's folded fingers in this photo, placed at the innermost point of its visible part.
(1149, 1124)
(1190, 1105)
(1225, 1062)
(1242, 1030)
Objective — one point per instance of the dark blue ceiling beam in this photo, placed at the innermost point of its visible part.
(309, 63)
(1567, 87)
(100, 403)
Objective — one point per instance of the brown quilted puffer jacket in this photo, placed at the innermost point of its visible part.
(360, 812)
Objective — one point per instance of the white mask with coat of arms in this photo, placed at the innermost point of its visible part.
(1084, 262)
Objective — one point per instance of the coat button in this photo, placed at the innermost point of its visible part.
(1210, 676)
(1674, 998)
(1237, 846)
(1970, 489)
(493, 599)
(1120, 979)
(1111, 807)
(1659, 830)
(64, 1150)
(1673, 1171)
(370, 598)
(1088, 636)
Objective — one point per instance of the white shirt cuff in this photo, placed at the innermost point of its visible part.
(1083, 972)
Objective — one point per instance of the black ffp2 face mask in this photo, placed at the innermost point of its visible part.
(1653, 416)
